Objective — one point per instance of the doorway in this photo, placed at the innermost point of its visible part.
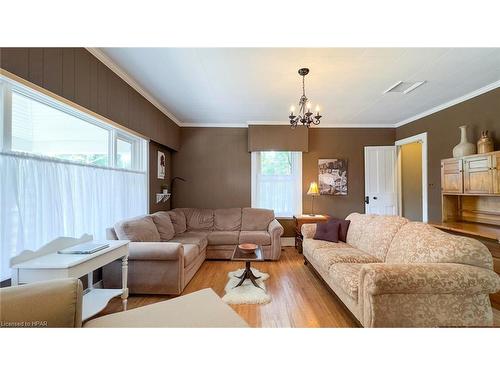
(412, 177)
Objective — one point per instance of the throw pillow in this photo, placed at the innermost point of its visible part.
(344, 226)
(164, 225)
(328, 231)
(141, 229)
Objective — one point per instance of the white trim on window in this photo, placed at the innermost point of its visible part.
(10, 85)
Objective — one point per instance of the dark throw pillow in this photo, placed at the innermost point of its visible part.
(328, 231)
(344, 226)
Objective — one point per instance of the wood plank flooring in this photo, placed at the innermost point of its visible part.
(299, 296)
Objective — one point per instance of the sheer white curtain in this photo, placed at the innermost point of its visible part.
(280, 186)
(42, 198)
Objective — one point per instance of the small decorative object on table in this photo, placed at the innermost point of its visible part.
(305, 219)
(464, 148)
(248, 255)
(485, 143)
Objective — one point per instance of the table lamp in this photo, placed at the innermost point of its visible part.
(313, 190)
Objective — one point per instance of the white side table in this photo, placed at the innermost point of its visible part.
(47, 264)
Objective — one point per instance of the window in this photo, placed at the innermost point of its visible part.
(123, 154)
(40, 129)
(277, 182)
(63, 172)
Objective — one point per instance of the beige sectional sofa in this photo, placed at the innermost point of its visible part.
(168, 247)
(395, 273)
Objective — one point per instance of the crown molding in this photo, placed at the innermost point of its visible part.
(320, 126)
(102, 57)
(212, 125)
(451, 103)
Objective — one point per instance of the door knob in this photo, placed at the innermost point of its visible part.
(375, 198)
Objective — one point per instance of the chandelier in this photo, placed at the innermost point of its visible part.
(305, 116)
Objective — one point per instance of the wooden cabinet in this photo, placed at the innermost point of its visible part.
(451, 176)
(478, 174)
(495, 165)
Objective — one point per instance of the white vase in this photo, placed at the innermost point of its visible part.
(464, 148)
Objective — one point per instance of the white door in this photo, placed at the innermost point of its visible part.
(380, 180)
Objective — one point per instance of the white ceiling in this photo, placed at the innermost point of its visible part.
(236, 86)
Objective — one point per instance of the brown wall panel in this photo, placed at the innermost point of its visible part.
(94, 84)
(82, 77)
(52, 69)
(102, 89)
(480, 113)
(36, 66)
(68, 70)
(216, 165)
(16, 61)
(155, 184)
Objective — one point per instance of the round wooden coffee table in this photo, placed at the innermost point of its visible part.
(241, 256)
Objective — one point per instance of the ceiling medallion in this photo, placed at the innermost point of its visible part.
(305, 116)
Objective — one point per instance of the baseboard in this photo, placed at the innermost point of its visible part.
(287, 241)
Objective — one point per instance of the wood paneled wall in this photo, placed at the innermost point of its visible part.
(75, 74)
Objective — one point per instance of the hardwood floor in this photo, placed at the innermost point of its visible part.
(299, 296)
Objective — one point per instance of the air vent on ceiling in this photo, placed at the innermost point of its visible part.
(404, 87)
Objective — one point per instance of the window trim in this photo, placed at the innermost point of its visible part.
(10, 85)
(255, 167)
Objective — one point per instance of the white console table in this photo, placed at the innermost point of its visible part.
(47, 264)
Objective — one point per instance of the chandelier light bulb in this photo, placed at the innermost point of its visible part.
(309, 105)
(292, 109)
(317, 108)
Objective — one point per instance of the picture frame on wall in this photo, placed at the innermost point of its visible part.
(332, 176)
(161, 165)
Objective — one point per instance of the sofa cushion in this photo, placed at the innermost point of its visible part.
(193, 238)
(227, 219)
(164, 225)
(374, 233)
(257, 237)
(178, 219)
(140, 229)
(256, 218)
(422, 243)
(346, 276)
(191, 252)
(328, 231)
(328, 256)
(223, 237)
(199, 219)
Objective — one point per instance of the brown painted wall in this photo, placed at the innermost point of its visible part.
(216, 163)
(411, 181)
(155, 184)
(480, 113)
(75, 74)
(341, 144)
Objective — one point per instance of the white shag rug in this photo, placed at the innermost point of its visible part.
(247, 293)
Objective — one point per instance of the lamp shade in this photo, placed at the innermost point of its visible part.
(313, 189)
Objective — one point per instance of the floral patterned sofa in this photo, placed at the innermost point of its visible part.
(395, 273)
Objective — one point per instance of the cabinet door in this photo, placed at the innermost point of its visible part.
(451, 176)
(495, 165)
(478, 176)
